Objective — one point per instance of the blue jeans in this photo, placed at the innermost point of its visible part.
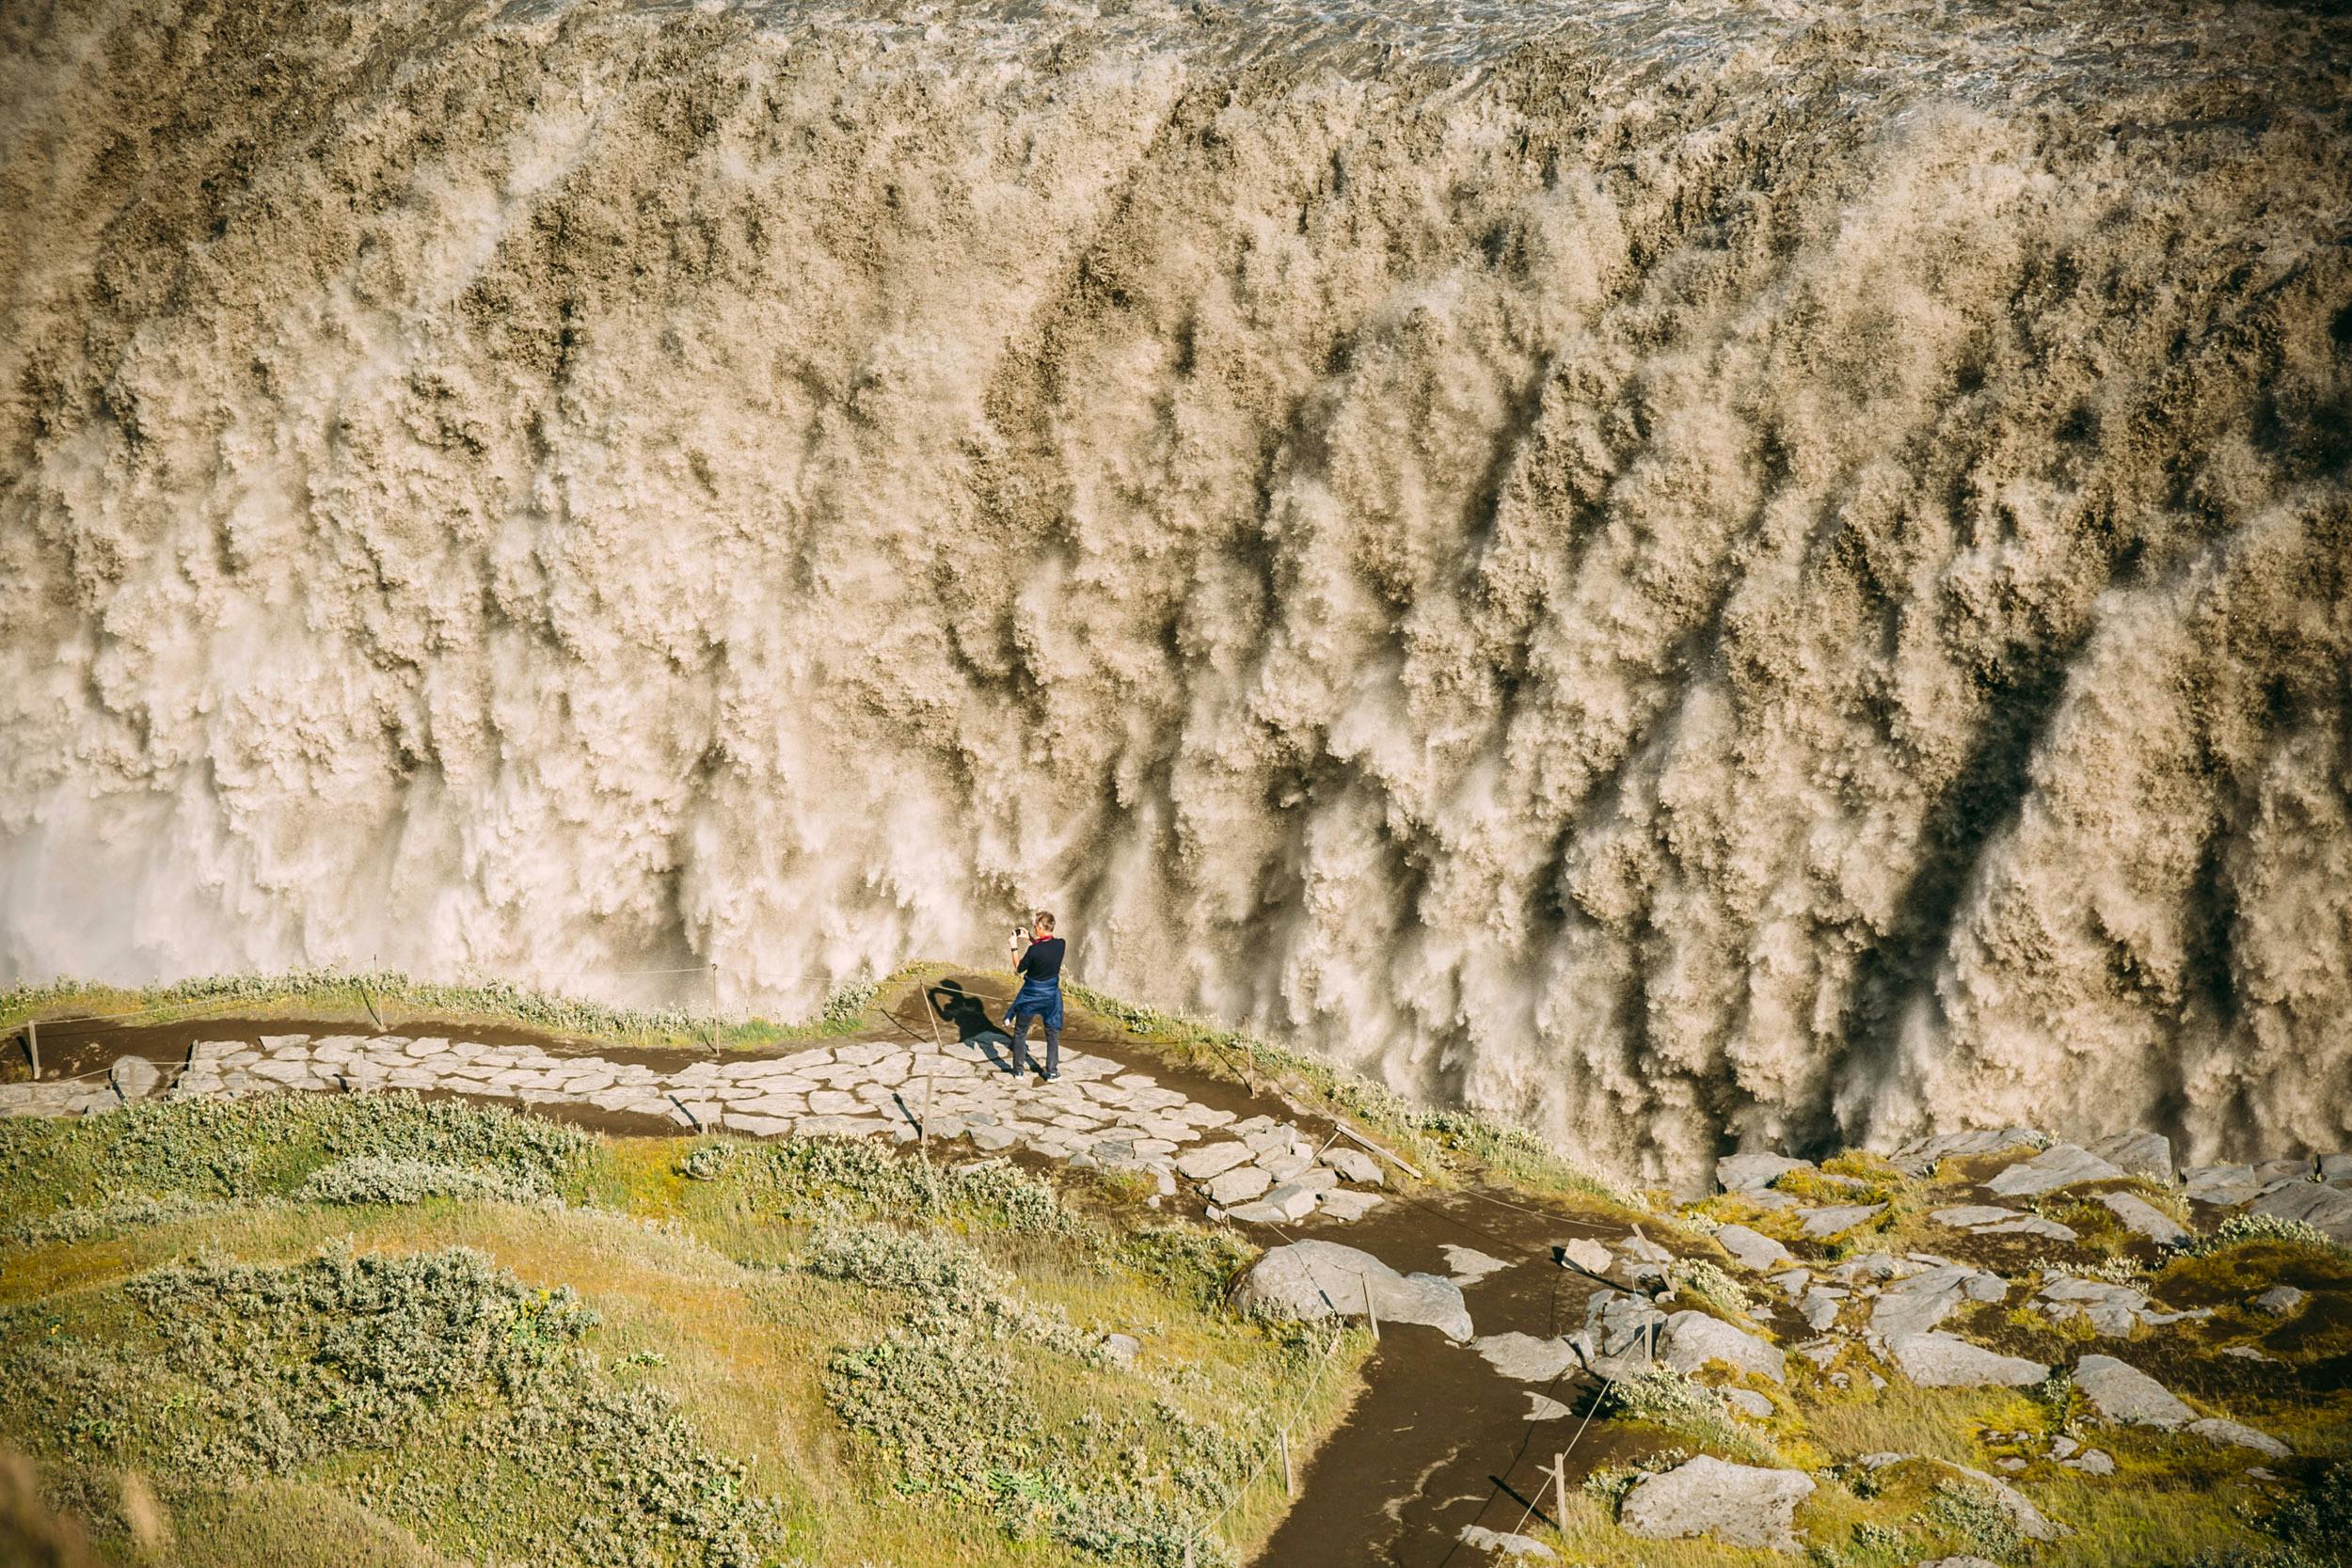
(1040, 1000)
(1020, 1028)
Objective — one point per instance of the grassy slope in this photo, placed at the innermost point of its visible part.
(701, 1297)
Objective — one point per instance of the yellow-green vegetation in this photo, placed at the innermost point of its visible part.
(2174, 1499)
(389, 997)
(376, 1329)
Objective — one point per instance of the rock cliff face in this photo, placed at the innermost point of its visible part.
(1675, 571)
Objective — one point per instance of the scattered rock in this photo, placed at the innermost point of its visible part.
(1748, 1402)
(1742, 1173)
(1524, 1358)
(1949, 1361)
(2148, 1154)
(1752, 1249)
(1504, 1544)
(2230, 1434)
(2030, 1521)
(1199, 1165)
(2092, 1462)
(1960, 1562)
(2280, 1300)
(2247, 1352)
(1740, 1505)
(1919, 1302)
(1587, 1254)
(1823, 1223)
(1312, 1280)
(2120, 1392)
(134, 1077)
(2060, 1166)
(1343, 1204)
(1968, 1217)
(1919, 1159)
(2223, 1187)
(2144, 1218)
(1242, 1185)
(1690, 1339)
(1543, 1407)
(2114, 1310)
(1122, 1348)
(2325, 1210)
(1355, 1165)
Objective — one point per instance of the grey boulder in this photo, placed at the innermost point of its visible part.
(1312, 1280)
(2325, 1210)
(1751, 1249)
(1947, 1361)
(1740, 1505)
(2148, 1154)
(1744, 1173)
(2280, 1300)
(2060, 1166)
(1919, 1302)
(1524, 1358)
(1497, 1542)
(2230, 1434)
(1918, 1158)
(1691, 1340)
(2120, 1392)
(1821, 1223)
(2143, 1218)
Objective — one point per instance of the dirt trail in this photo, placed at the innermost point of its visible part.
(1439, 1440)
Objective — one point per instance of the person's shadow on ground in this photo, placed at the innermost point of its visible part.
(974, 1020)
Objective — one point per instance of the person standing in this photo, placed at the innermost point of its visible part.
(1040, 997)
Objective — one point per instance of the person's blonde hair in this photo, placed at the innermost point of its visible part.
(1044, 921)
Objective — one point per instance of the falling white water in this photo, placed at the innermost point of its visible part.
(1678, 571)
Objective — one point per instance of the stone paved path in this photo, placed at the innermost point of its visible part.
(1097, 1114)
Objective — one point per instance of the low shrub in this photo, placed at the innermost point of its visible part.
(226, 1148)
(1704, 1282)
(377, 1179)
(849, 1000)
(1670, 1400)
(1978, 1514)
(2244, 1229)
(818, 1179)
(84, 1224)
(1197, 1264)
(953, 1290)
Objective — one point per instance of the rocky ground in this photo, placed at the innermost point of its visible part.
(1990, 1346)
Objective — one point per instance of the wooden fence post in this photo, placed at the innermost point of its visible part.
(1290, 1488)
(1559, 1489)
(32, 1043)
(1371, 1309)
